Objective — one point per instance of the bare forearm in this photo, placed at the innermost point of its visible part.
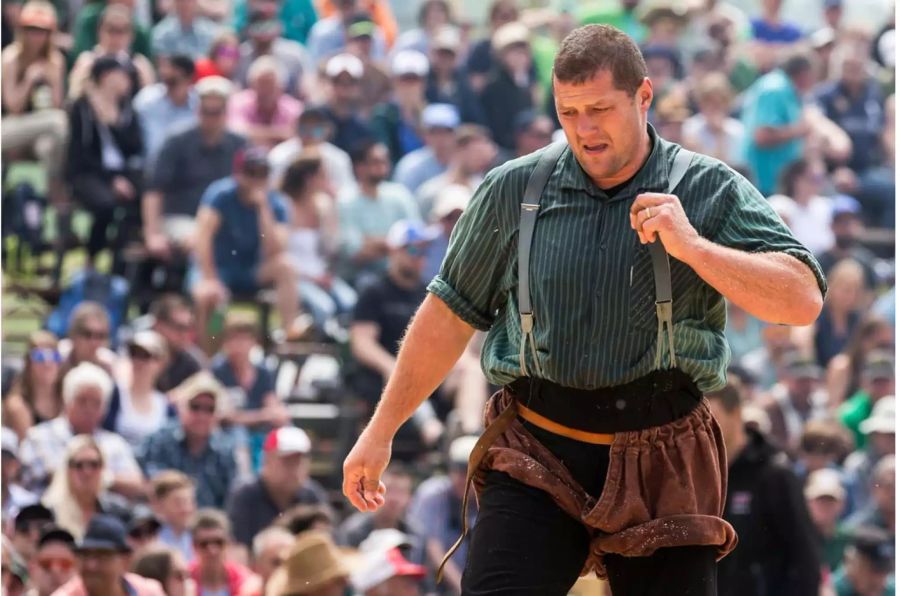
(151, 207)
(773, 287)
(434, 342)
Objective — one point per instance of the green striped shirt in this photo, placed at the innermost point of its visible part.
(591, 279)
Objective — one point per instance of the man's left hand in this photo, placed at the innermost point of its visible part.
(661, 215)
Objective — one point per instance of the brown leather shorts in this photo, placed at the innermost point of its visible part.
(665, 485)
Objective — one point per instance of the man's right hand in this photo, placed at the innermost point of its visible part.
(363, 469)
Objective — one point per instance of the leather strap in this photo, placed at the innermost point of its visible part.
(564, 431)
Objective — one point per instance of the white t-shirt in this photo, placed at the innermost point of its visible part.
(335, 161)
(134, 426)
(810, 223)
(697, 129)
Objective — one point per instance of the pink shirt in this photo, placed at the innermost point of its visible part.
(243, 110)
(139, 586)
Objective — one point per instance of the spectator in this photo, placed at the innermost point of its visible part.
(168, 105)
(533, 131)
(313, 241)
(370, 210)
(713, 131)
(240, 243)
(283, 482)
(344, 74)
(173, 320)
(38, 384)
(288, 57)
(376, 85)
(270, 549)
(172, 496)
(847, 228)
(54, 562)
(826, 499)
(166, 566)
(439, 122)
(88, 28)
(88, 338)
(143, 528)
(875, 187)
(86, 391)
(824, 443)
(446, 82)
(264, 113)
(842, 311)
(301, 518)
(881, 512)
(253, 406)
(867, 566)
(432, 17)
(810, 213)
(223, 57)
(184, 31)
(106, 155)
(396, 123)
(115, 33)
(15, 573)
(194, 445)
(173, 191)
(510, 88)
(770, 28)
(844, 374)
(778, 553)
(876, 382)
(77, 492)
(379, 9)
(772, 114)
(449, 206)
(211, 571)
(314, 132)
(482, 58)
(32, 94)
(27, 527)
(329, 35)
(880, 432)
(670, 115)
(313, 567)
(388, 573)
(13, 496)
(138, 409)
(296, 16)
(103, 558)
(393, 514)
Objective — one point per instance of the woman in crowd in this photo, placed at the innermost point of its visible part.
(37, 387)
(713, 131)
(224, 56)
(166, 566)
(843, 374)
(840, 315)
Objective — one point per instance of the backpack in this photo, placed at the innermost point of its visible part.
(109, 290)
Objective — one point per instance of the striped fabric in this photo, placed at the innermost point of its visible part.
(592, 280)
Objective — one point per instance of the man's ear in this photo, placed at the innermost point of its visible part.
(645, 94)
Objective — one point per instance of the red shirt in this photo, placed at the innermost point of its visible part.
(237, 575)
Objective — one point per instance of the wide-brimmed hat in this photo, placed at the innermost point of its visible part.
(313, 562)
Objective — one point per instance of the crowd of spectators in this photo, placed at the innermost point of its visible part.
(322, 151)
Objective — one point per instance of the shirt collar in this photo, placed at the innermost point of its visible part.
(653, 175)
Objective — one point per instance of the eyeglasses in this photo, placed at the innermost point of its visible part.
(205, 544)
(45, 355)
(201, 409)
(93, 334)
(85, 464)
(58, 563)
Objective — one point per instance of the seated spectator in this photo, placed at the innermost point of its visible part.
(448, 208)
(329, 35)
(826, 500)
(824, 443)
(54, 562)
(184, 31)
(301, 518)
(13, 497)
(398, 121)
(143, 528)
(283, 482)
(375, 84)
(533, 131)
(368, 212)
(114, 36)
(867, 566)
(482, 58)
(240, 243)
(313, 567)
(844, 374)
(166, 566)
(797, 398)
(88, 339)
(881, 512)
(194, 445)
(103, 556)
(250, 384)
(847, 227)
(842, 311)
(173, 319)
(173, 192)
(138, 408)
(172, 496)
(810, 213)
(264, 113)
(343, 74)
(296, 16)
(105, 155)
(431, 18)
(169, 104)
(880, 431)
(876, 186)
(27, 527)
(387, 572)
(876, 382)
(270, 549)
(87, 29)
(32, 94)
(86, 391)
(37, 385)
(713, 131)
(264, 38)
(313, 240)
(211, 571)
(510, 87)
(77, 492)
(223, 57)
(446, 82)
(439, 123)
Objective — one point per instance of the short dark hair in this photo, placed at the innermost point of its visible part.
(182, 63)
(301, 518)
(154, 563)
(297, 176)
(168, 481)
(728, 396)
(361, 150)
(797, 63)
(165, 306)
(210, 519)
(588, 49)
(791, 174)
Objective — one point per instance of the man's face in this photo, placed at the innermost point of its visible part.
(846, 228)
(289, 471)
(177, 508)
(344, 89)
(442, 60)
(604, 125)
(100, 569)
(252, 177)
(825, 511)
(867, 579)
(360, 46)
(86, 410)
(178, 330)
(377, 166)
(882, 443)
(92, 335)
(115, 35)
(478, 155)
(516, 58)
(186, 9)
(53, 565)
(272, 556)
(409, 261)
(199, 416)
(801, 388)
(210, 546)
(853, 70)
(237, 346)
(268, 88)
(440, 139)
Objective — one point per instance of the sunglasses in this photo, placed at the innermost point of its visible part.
(93, 334)
(201, 409)
(85, 464)
(58, 563)
(205, 544)
(143, 532)
(45, 356)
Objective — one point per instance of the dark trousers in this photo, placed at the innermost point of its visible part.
(95, 193)
(523, 543)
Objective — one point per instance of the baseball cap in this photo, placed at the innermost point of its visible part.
(149, 341)
(825, 483)
(882, 419)
(10, 442)
(104, 532)
(453, 197)
(844, 205)
(344, 63)
(287, 440)
(409, 62)
(876, 545)
(447, 38)
(461, 448)
(56, 534)
(360, 25)
(384, 539)
(39, 15)
(214, 86)
(408, 231)
(879, 364)
(509, 34)
(32, 513)
(379, 566)
(440, 115)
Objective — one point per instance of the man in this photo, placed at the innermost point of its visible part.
(184, 31)
(173, 319)
(173, 191)
(194, 445)
(368, 211)
(826, 500)
(847, 227)
(329, 35)
(360, 525)
(264, 38)
(375, 82)
(313, 567)
(596, 332)
(283, 482)
(270, 549)
(167, 105)
(880, 430)
(211, 570)
(397, 122)
(446, 82)
(876, 382)
(54, 563)
(868, 565)
(264, 112)
(86, 392)
(439, 123)
(240, 242)
(13, 496)
(388, 573)
(533, 131)
(778, 550)
(27, 527)
(173, 499)
(797, 398)
(448, 208)
(881, 512)
(103, 557)
(343, 77)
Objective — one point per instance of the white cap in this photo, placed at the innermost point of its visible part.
(447, 38)
(440, 115)
(379, 566)
(10, 442)
(409, 62)
(882, 419)
(825, 483)
(214, 85)
(287, 440)
(461, 448)
(344, 63)
(453, 197)
(384, 539)
(509, 34)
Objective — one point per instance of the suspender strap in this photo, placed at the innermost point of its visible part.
(531, 203)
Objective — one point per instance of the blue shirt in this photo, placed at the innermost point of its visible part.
(183, 542)
(860, 116)
(159, 115)
(417, 168)
(326, 38)
(779, 33)
(170, 38)
(251, 399)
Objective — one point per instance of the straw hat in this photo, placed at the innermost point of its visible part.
(312, 563)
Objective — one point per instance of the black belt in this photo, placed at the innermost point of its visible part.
(658, 398)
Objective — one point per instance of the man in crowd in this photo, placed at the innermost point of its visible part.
(847, 227)
(533, 131)
(361, 524)
(173, 498)
(27, 527)
(343, 74)
(439, 122)
(184, 31)
(264, 112)
(212, 571)
(264, 38)
(797, 398)
(329, 36)
(54, 563)
(880, 431)
(270, 549)
(826, 499)
(169, 105)
(881, 512)
(173, 319)
(876, 382)
(868, 565)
